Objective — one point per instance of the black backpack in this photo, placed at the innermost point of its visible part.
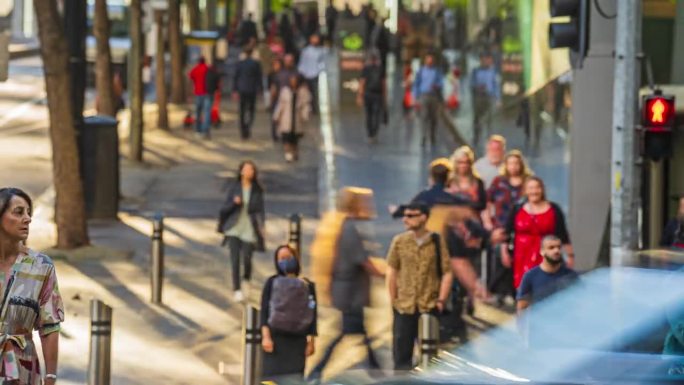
(211, 80)
(292, 306)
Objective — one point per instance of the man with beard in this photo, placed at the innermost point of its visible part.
(548, 278)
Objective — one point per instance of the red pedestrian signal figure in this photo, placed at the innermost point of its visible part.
(657, 120)
(658, 112)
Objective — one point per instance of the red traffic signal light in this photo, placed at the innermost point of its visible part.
(658, 112)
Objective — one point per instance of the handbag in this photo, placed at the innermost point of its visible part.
(453, 103)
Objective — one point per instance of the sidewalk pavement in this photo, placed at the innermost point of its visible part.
(197, 330)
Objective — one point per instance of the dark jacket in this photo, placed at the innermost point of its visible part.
(247, 78)
(229, 213)
(673, 233)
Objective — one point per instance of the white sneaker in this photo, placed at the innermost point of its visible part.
(289, 157)
(238, 296)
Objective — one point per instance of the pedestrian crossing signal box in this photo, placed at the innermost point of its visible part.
(658, 120)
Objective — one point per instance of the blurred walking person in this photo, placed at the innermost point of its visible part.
(372, 94)
(348, 267)
(311, 63)
(418, 279)
(427, 89)
(288, 319)
(242, 220)
(331, 15)
(291, 114)
(198, 76)
(273, 87)
(673, 234)
(247, 85)
(32, 298)
(486, 94)
(527, 224)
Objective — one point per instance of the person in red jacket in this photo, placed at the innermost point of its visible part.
(198, 75)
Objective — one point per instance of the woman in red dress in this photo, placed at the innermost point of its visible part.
(529, 223)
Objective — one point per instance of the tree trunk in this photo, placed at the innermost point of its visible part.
(106, 100)
(70, 216)
(163, 115)
(176, 50)
(193, 13)
(135, 87)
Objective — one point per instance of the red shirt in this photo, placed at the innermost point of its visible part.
(198, 75)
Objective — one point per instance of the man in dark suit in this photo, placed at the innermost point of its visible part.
(247, 84)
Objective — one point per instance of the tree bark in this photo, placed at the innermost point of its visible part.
(193, 13)
(106, 100)
(176, 50)
(135, 82)
(70, 216)
(163, 115)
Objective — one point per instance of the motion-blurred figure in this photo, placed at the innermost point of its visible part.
(342, 266)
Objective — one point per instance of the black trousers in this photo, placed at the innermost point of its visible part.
(247, 107)
(482, 118)
(405, 333)
(373, 104)
(313, 88)
(240, 250)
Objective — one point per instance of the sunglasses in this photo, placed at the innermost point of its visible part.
(412, 215)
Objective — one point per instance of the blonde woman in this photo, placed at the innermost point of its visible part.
(464, 182)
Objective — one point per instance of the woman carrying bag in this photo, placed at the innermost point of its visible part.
(242, 219)
(288, 319)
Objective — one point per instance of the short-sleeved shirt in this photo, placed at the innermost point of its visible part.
(537, 284)
(350, 282)
(415, 261)
(487, 170)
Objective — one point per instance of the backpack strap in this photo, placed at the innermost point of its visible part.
(438, 253)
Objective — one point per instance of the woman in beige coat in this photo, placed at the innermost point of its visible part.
(290, 115)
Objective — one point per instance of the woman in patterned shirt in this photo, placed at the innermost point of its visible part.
(30, 299)
(504, 193)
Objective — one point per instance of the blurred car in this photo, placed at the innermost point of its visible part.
(611, 327)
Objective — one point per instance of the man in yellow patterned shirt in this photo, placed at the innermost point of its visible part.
(419, 280)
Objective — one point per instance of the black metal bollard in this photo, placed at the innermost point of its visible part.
(99, 365)
(295, 233)
(157, 260)
(251, 346)
(428, 338)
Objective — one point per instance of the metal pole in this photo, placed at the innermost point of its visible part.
(625, 202)
(157, 270)
(251, 345)
(428, 338)
(655, 202)
(99, 372)
(295, 236)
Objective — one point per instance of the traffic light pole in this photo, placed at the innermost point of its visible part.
(625, 186)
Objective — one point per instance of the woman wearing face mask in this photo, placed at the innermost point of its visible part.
(31, 297)
(242, 219)
(528, 224)
(288, 318)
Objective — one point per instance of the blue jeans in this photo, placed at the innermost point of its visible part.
(202, 113)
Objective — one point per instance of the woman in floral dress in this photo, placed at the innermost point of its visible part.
(30, 298)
